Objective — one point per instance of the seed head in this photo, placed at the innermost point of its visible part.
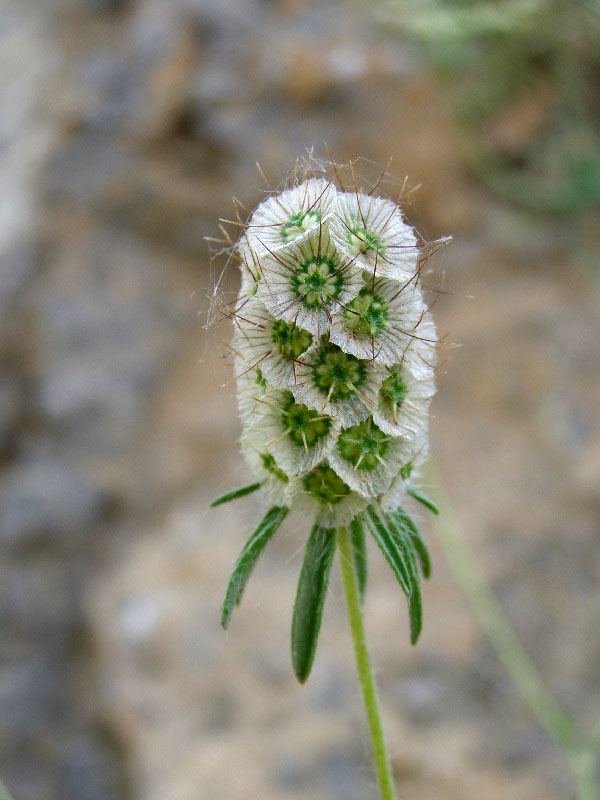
(335, 353)
(335, 349)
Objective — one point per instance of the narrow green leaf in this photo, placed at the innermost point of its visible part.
(415, 601)
(389, 548)
(310, 599)
(235, 493)
(423, 499)
(359, 551)
(248, 557)
(402, 519)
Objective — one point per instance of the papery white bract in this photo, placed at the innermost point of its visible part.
(380, 322)
(298, 437)
(269, 344)
(308, 281)
(373, 229)
(278, 487)
(290, 216)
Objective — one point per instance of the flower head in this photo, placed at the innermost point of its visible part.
(335, 356)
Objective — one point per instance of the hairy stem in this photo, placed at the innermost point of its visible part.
(365, 673)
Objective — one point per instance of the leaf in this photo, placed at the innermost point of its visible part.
(402, 519)
(247, 559)
(359, 550)
(389, 548)
(235, 493)
(423, 499)
(415, 601)
(310, 598)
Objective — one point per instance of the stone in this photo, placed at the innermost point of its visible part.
(46, 499)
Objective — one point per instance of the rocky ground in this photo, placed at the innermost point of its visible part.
(126, 129)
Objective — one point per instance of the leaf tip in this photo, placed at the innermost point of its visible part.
(302, 677)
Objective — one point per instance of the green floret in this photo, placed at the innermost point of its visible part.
(367, 314)
(325, 485)
(392, 392)
(290, 340)
(298, 224)
(337, 374)
(305, 427)
(317, 282)
(363, 445)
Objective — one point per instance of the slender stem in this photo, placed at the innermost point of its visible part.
(584, 767)
(511, 652)
(4, 795)
(365, 673)
(594, 740)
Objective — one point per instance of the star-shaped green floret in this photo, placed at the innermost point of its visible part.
(362, 240)
(305, 427)
(338, 374)
(367, 314)
(317, 282)
(298, 224)
(363, 445)
(325, 485)
(290, 340)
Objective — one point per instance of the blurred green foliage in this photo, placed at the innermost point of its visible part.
(522, 77)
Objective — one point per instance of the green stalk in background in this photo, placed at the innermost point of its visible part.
(580, 755)
(4, 795)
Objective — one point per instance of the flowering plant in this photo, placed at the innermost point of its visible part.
(335, 353)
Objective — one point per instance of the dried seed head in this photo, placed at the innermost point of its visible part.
(335, 350)
(334, 355)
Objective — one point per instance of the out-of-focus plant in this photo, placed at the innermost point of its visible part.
(522, 78)
(580, 751)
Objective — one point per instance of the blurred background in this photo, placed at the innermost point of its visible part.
(126, 126)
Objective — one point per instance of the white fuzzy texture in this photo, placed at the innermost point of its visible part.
(254, 342)
(294, 457)
(332, 339)
(277, 491)
(373, 228)
(404, 309)
(281, 270)
(269, 228)
(349, 411)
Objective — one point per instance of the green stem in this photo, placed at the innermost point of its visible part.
(583, 765)
(509, 649)
(594, 740)
(4, 795)
(365, 673)
(512, 654)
